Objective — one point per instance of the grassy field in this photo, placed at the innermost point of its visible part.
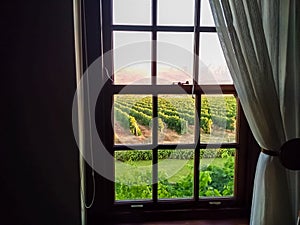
(173, 168)
(175, 178)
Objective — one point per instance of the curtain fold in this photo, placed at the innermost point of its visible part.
(260, 42)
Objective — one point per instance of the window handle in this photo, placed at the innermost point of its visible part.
(181, 83)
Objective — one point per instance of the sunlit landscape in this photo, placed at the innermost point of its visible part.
(176, 124)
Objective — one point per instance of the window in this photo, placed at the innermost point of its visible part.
(178, 135)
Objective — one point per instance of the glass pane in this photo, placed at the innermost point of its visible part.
(175, 57)
(132, 119)
(206, 14)
(217, 168)
(175, 173)
(218, 119)
(133, 175)
(176, 12)
(132, 57)
(176, 115)
(212, 65)
(130, 12)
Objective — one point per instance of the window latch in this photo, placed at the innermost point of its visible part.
(215, 203)
(137, 206)
(181, 83)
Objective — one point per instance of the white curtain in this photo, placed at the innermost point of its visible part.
(260, 41)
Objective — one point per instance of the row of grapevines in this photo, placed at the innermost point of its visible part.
(188, 117)
(175, 123)
(128, 107)
(143, 116)
(213, 111)
(127, 120)
(221, 110)
(140, 117)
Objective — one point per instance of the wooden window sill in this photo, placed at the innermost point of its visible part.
(198, 222)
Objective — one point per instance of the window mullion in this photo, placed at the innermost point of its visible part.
(154, 58)
(197, 150)
(197, 100)
(155, 175)
(155, 150)
(154, 44)
(196, 41)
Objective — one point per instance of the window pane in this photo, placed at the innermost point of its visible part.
(176, 115)
(176, 12)
(132, 57)
(133, 119)
(133, 175)
(175, 173)
(212, 65)
(217, 168)
(206, 14)
(175, 57)
(129, 12)
(218, 119)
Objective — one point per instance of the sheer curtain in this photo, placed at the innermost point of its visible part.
(260, 41)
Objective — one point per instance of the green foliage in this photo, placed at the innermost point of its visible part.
(206, 124)
(217, 153)
(220, 179)
(134, 155)
(183, 188)
(137, 186)
(215, 181)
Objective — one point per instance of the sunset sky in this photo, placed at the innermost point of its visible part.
(212, 69)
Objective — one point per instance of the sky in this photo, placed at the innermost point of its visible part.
(213, 68)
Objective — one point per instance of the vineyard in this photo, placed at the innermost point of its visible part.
(175, 113)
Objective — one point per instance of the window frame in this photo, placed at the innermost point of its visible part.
(105, 206)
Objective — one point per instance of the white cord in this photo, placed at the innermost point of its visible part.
(107, 74)
(89, 115)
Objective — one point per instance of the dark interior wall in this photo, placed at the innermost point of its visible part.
(39, 180)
